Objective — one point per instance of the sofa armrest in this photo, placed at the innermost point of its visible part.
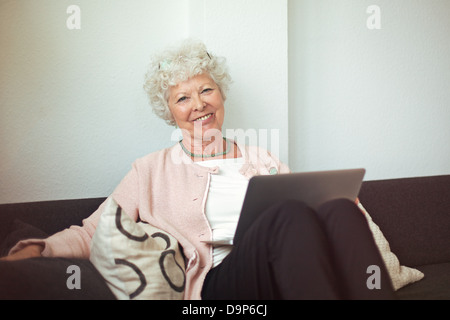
(48, 216)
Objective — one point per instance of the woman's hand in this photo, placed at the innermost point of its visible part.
(31, 251)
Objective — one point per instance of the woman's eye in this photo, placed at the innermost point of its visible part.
(181, 99)
(206, 90)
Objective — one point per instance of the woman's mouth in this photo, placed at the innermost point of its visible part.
(204, 118)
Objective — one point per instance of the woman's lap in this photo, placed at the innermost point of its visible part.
(293, 252)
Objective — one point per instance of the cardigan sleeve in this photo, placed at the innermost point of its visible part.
(74, 242)
(282, 167)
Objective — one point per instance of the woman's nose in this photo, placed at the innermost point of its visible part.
(198, 104)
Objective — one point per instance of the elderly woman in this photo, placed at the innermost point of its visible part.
(194, 190)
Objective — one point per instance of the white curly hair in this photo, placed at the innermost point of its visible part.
(177, 64)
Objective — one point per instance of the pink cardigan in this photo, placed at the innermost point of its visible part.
(167, 190)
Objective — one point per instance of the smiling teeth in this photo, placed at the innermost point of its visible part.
(204, 117)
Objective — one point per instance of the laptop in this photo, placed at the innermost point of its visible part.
(313, 188)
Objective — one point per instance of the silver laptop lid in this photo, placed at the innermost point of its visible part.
(312, 188)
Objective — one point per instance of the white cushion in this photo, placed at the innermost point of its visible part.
(137, 260)
(400, 275)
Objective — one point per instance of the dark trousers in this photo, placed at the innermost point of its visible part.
(293, 252)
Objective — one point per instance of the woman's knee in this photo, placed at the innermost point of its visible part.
(288, 217)
(339, 205)
(341, 211)
(289, 211)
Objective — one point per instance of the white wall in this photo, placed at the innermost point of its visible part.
(378, 99)
(73, 114)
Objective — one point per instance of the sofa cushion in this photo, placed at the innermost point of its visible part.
(400, 275)
(45, 278)
(413, 214)
(434, 286)
(48, 278)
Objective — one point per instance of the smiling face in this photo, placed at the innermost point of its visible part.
(197, 104)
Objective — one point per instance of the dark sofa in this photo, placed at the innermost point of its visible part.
(413, 214)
